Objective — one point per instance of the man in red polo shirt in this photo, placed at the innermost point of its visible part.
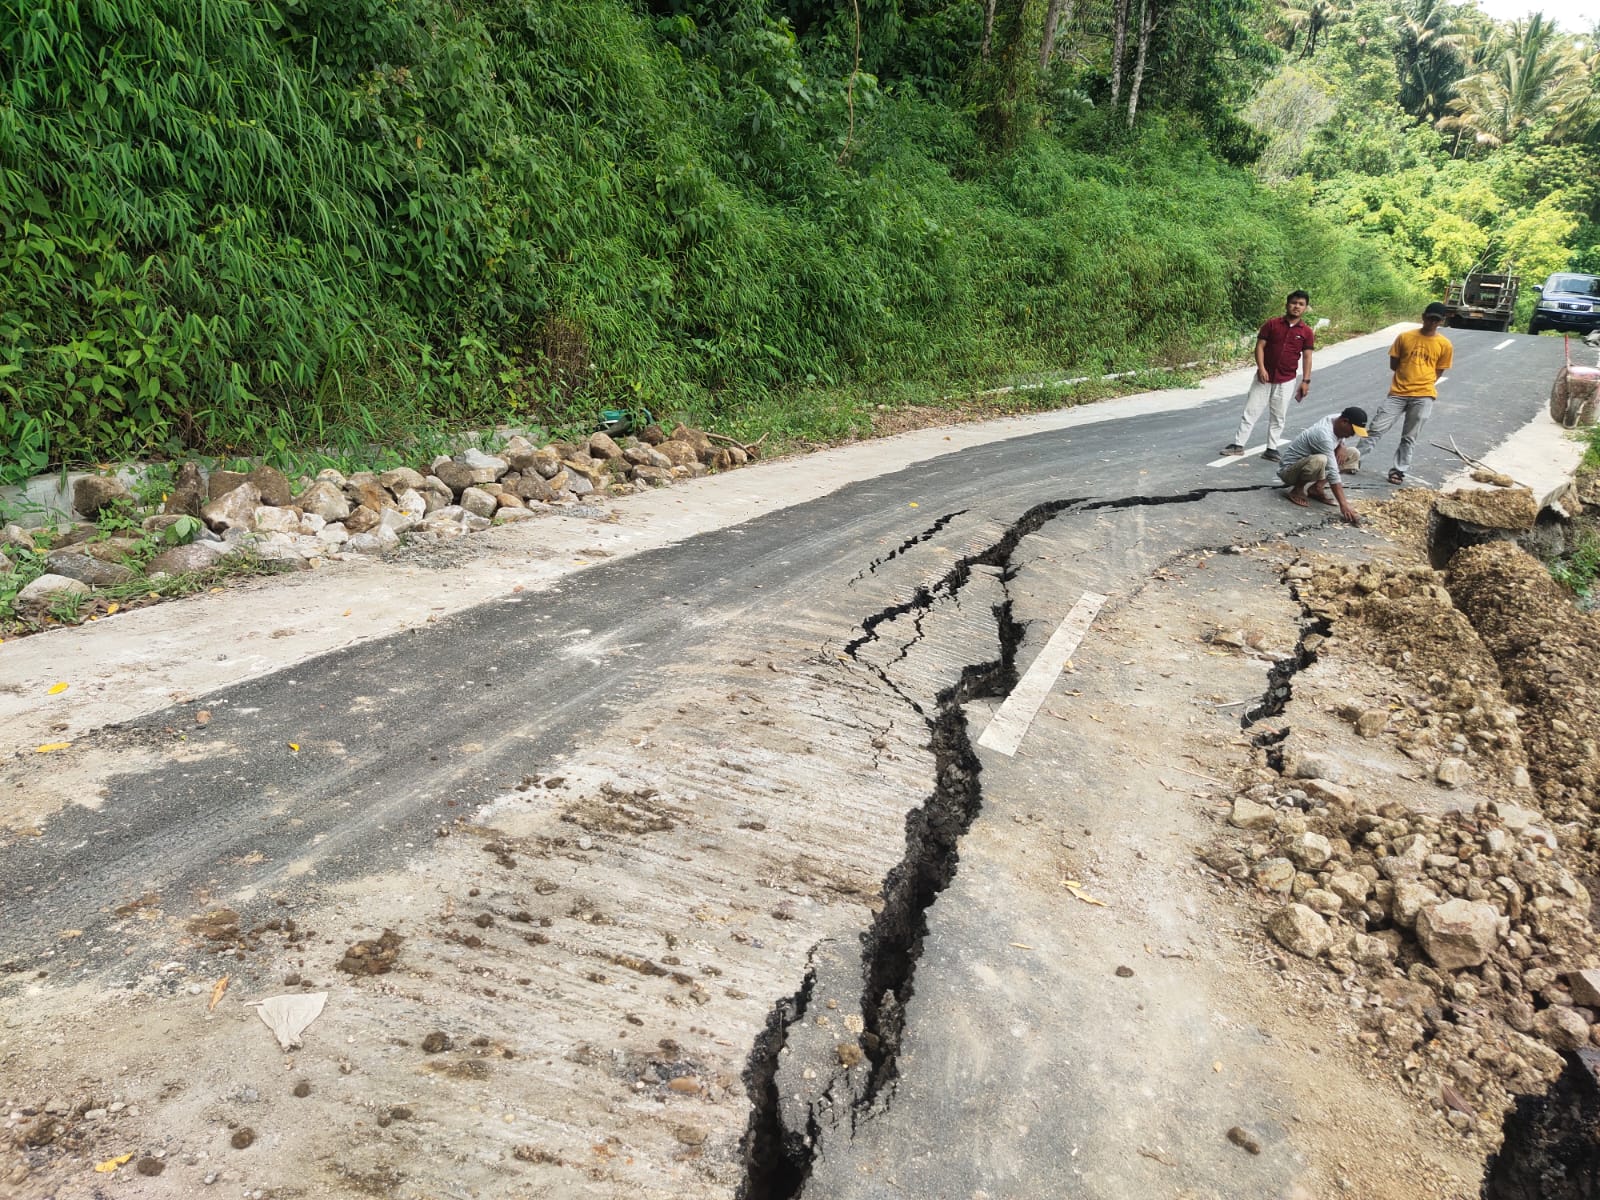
(1283, 350)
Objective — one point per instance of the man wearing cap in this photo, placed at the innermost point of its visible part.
(1417, 358)
(1310, 463)
(1283, 350)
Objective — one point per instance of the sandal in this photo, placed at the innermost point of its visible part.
(1397, 476)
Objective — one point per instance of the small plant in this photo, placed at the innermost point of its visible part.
(181, 532)
(154, 485)
(1580, 566)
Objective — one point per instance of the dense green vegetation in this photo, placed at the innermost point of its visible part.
(1451, 139)
(249, 226)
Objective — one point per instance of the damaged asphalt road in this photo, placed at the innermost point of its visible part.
(935, 585)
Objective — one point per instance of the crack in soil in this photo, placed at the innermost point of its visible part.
(779, 1159)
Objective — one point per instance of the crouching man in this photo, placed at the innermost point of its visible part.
(1312, 461)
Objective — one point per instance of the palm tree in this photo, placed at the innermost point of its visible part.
(1529, 75)
(1313, 20)
(1430, 53)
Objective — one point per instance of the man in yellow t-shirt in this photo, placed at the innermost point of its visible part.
(1418, 357)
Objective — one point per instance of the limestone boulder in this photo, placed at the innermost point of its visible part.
(180, 560)
(1562, 1027)
(396, 521)
(1247, 814)
(411, 502)
(435, 494)
(457, 477)
(602, 445)
(486, 468)
(519, 452)
(87, 569)
(1409, 899)
(647, 456)
(361, 519)
(678, 453)
(235, 509)
(400, 479)
(1298, 929)
(36, 598)
(533, 486)
(1309, 851)
(1458, 933)
(379, 540)
(94, 493)
(326, 499)
(478, 502)
(221, 483)
(272, 485)
(276, 520)
(367, 492)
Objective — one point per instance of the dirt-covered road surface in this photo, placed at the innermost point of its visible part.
(1062, 815)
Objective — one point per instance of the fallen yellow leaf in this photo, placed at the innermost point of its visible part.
(295, 746)
(213, 589)
(914, 504)
(49, 746)
(58, 688)
(113, 607)
(67, 935)
(217, 990)
(1076, 888)
(111, 1164)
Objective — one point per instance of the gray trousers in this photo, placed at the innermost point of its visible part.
(1415, 409)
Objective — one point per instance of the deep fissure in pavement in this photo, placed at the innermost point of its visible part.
(1279, 689)
(779, 1160)
(1551, 1151)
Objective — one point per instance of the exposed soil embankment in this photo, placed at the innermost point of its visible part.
(1547, 652)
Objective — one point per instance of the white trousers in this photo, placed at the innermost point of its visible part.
(1274, 397)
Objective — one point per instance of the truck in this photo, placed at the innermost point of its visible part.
(1482, 301)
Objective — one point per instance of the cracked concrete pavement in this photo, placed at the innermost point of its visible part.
(697, 844)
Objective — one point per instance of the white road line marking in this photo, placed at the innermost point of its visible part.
(1505, 343)
(1228, 459)
(1022, 705)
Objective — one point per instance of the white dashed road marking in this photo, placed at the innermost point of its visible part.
(1229, 459)
(1505, 343)
(1005, 731)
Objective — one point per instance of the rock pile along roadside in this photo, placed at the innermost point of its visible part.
(302, 526)
(1459, 933)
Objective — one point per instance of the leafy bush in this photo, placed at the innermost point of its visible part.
(339, 223)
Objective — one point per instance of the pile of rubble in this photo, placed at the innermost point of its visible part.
(1460, 942)
(1460, 939)
(333, 515)
(1461, 725)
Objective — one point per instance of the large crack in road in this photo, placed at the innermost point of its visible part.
(785, 1134)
